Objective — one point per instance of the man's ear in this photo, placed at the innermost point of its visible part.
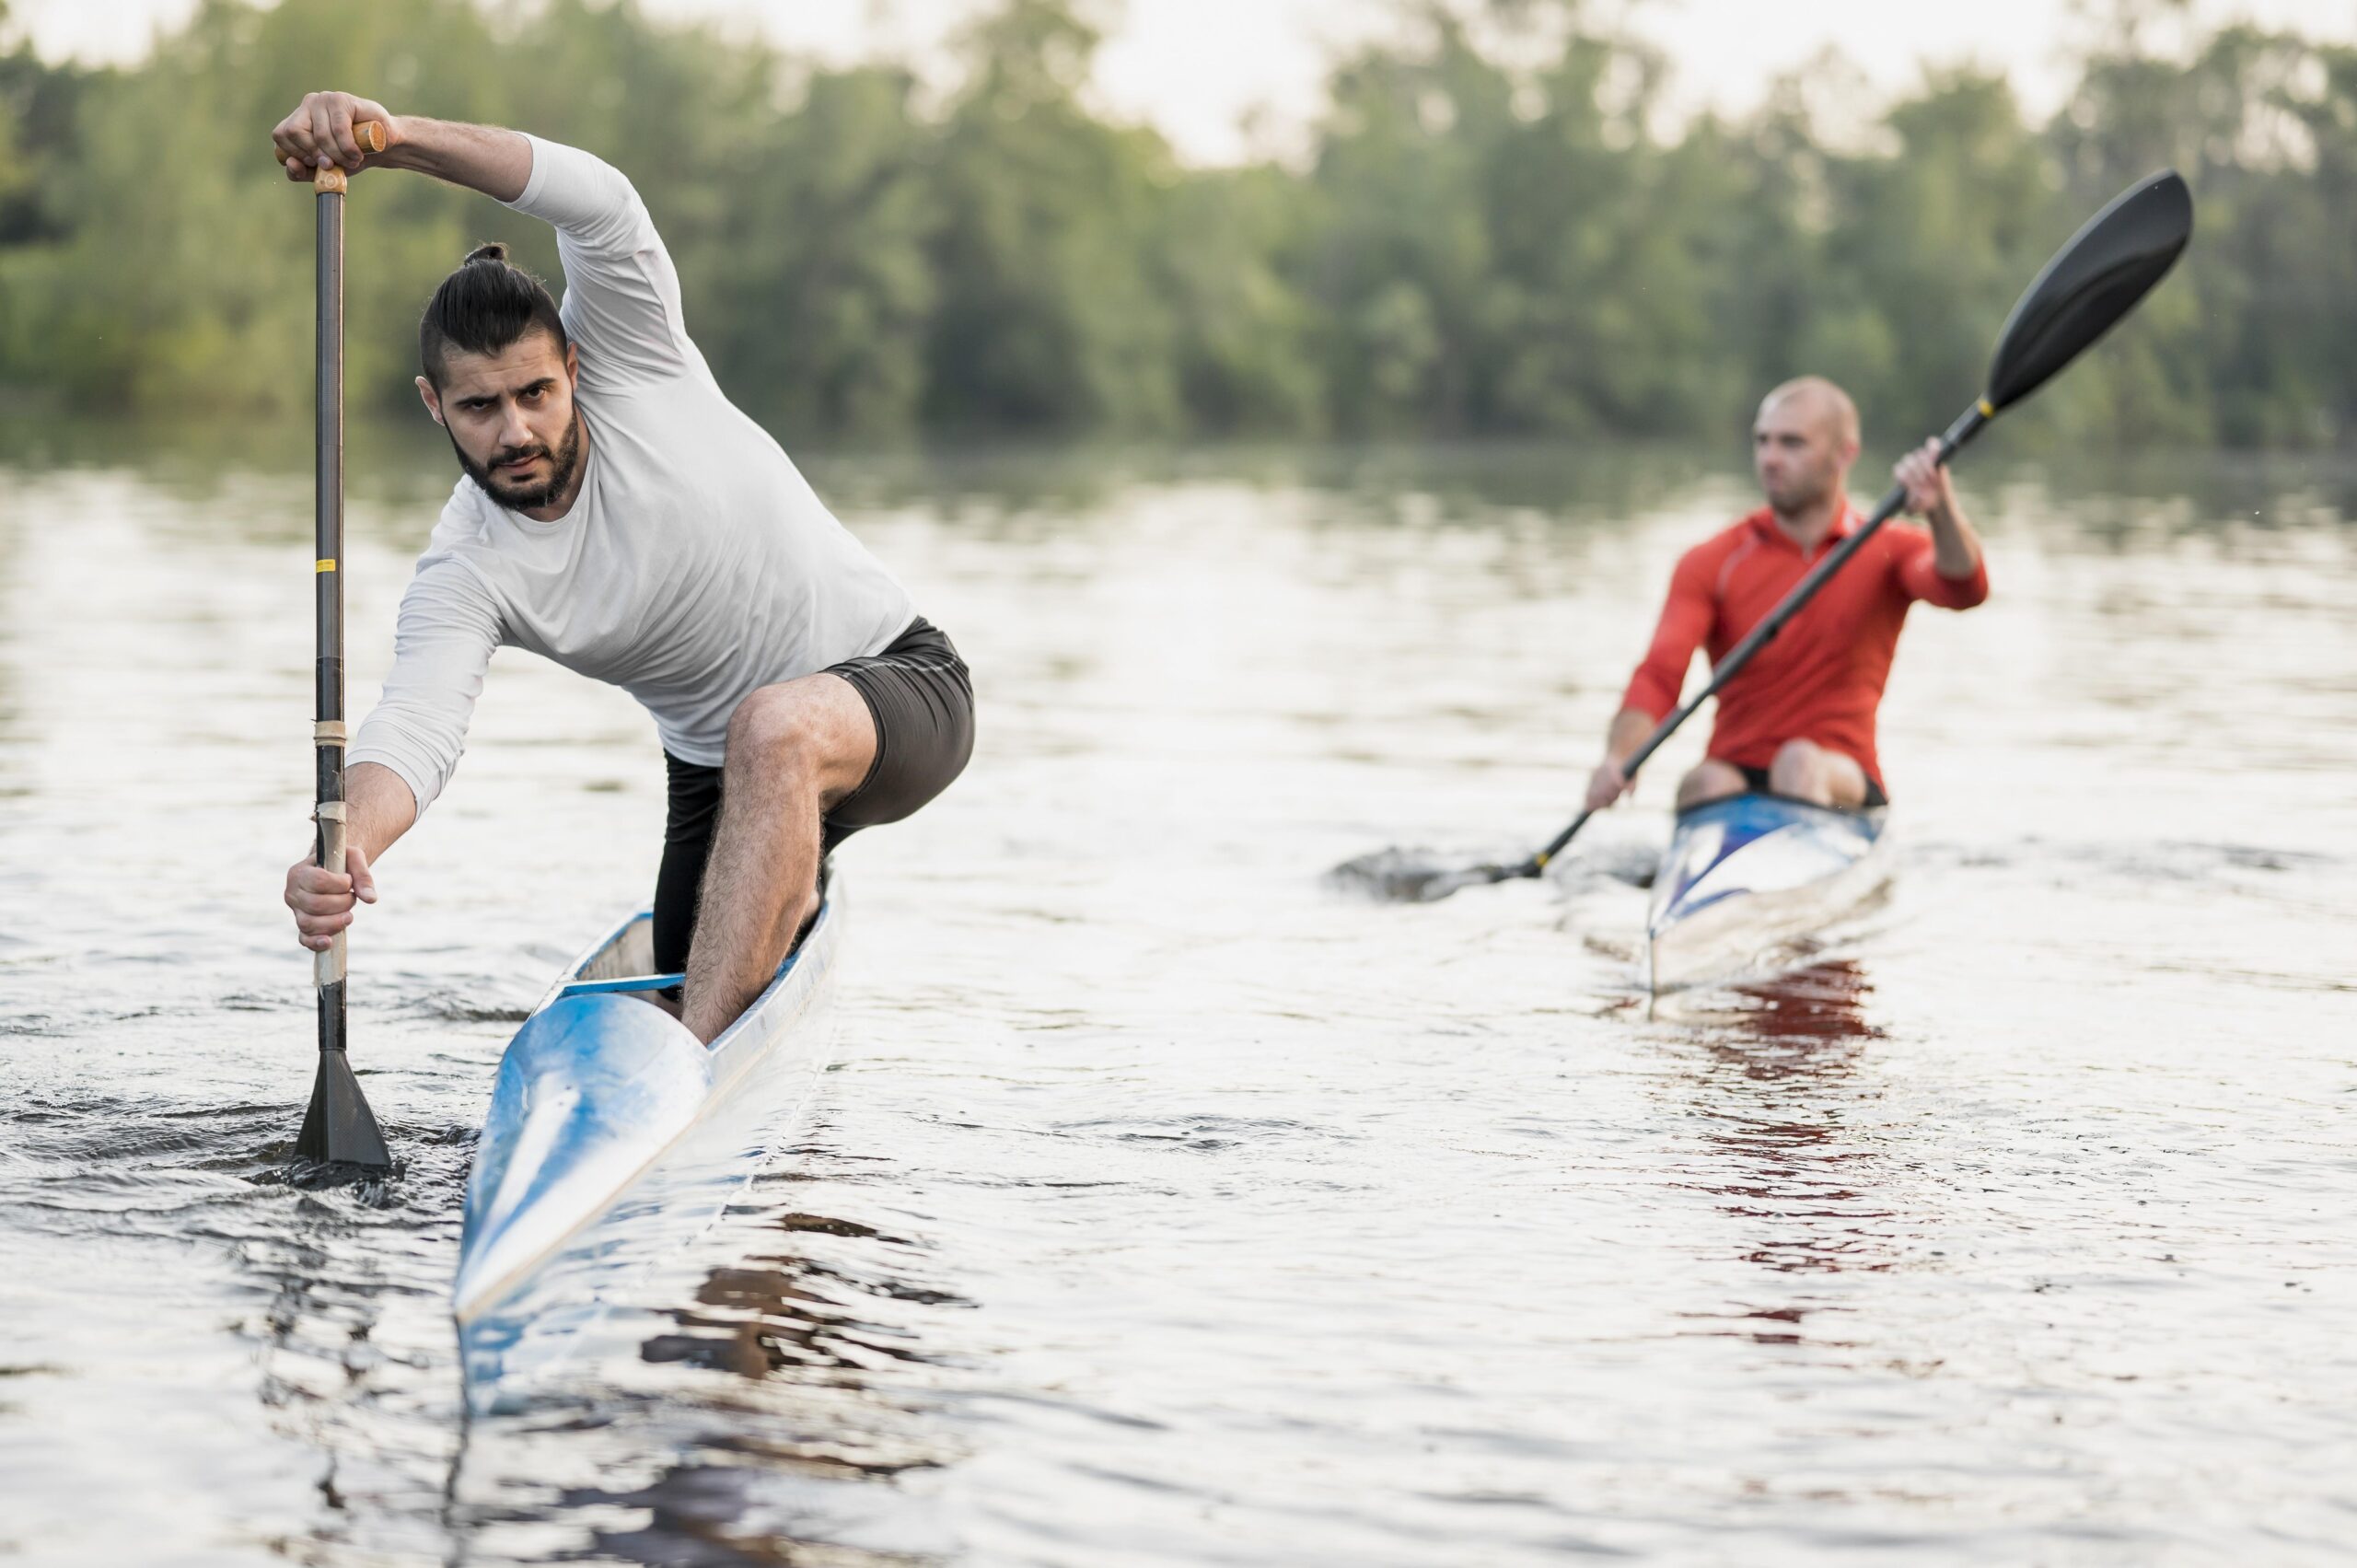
(572, 362)
(433, 399)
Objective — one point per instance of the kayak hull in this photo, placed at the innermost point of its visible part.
(1747, 882)
(613, 1129)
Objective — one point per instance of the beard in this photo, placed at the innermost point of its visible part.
(525, 497)
(1795, 496)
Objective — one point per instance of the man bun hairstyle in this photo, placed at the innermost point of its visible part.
(485, 306)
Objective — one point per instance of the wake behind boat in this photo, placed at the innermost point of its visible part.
(1748, 881)
(598, 1094)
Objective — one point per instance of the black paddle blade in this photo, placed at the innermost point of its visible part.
(1414, 876)
(340, 1129)
(2093, 281)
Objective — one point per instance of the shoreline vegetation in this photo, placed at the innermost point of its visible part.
(1490, 233)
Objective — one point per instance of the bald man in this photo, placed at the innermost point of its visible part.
(1799, 719)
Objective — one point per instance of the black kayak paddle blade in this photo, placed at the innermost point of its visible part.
(340, 1129)
(1414, 877)
(2094, 280)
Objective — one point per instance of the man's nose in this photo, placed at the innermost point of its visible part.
(513, 430)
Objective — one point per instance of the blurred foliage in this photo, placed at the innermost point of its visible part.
(1495, 230)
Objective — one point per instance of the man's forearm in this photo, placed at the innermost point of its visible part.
(480, 157)
(1955, 549)
(381, 807)
(1629, 727)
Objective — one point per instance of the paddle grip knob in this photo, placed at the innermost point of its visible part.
(333, 180)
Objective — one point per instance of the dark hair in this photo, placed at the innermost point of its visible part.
(488, 305)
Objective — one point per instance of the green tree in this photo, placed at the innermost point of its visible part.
(1226, 256)
(1402, 260)
(1926, 250)
(821, 267)
(1046, 319)
(1496, 229)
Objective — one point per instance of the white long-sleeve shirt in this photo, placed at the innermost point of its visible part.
(696, 565)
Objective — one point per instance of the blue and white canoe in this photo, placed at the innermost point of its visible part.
(1749, 880)
(601, 1099)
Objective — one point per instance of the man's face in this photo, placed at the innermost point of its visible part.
(1800, 452)
(511, 419)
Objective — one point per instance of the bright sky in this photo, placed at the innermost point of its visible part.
(1200, 68)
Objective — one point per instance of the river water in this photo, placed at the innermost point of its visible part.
(1162, 1206)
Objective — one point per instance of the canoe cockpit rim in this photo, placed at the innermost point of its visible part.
(618, 963)
(1876, 815)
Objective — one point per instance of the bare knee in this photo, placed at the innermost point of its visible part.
(774, 720)
(815, 733)
(776, 730)
(1807, 770)
(1798, 770)
(1711, 779)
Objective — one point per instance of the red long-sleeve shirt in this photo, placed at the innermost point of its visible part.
(1821, 678)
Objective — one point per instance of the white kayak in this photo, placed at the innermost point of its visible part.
(600, 1092)
(1748, 881)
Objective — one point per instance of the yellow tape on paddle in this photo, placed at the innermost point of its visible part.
(323, 566)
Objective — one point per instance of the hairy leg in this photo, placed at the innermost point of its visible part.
(1711, 779)
(795, 749)
(1807, 770)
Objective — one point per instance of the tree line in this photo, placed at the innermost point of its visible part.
(1491, 231)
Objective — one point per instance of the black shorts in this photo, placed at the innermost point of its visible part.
(921, 699)
(1758, 779)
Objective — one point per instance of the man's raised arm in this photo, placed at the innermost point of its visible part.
(480, 157)
(621, 293)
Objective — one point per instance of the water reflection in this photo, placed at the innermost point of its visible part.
(1816, 1006)
(797, 1445)
(698, 1516)
(796, 1315)
(1777, 1074)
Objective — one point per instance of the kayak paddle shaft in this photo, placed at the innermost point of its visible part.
(339, 1127)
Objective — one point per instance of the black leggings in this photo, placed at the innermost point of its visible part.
(1875, 799)
(921, 700)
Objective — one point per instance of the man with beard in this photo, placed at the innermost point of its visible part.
(619, 515)
(1799, 719)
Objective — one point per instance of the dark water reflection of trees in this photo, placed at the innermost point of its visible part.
(401, 470)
